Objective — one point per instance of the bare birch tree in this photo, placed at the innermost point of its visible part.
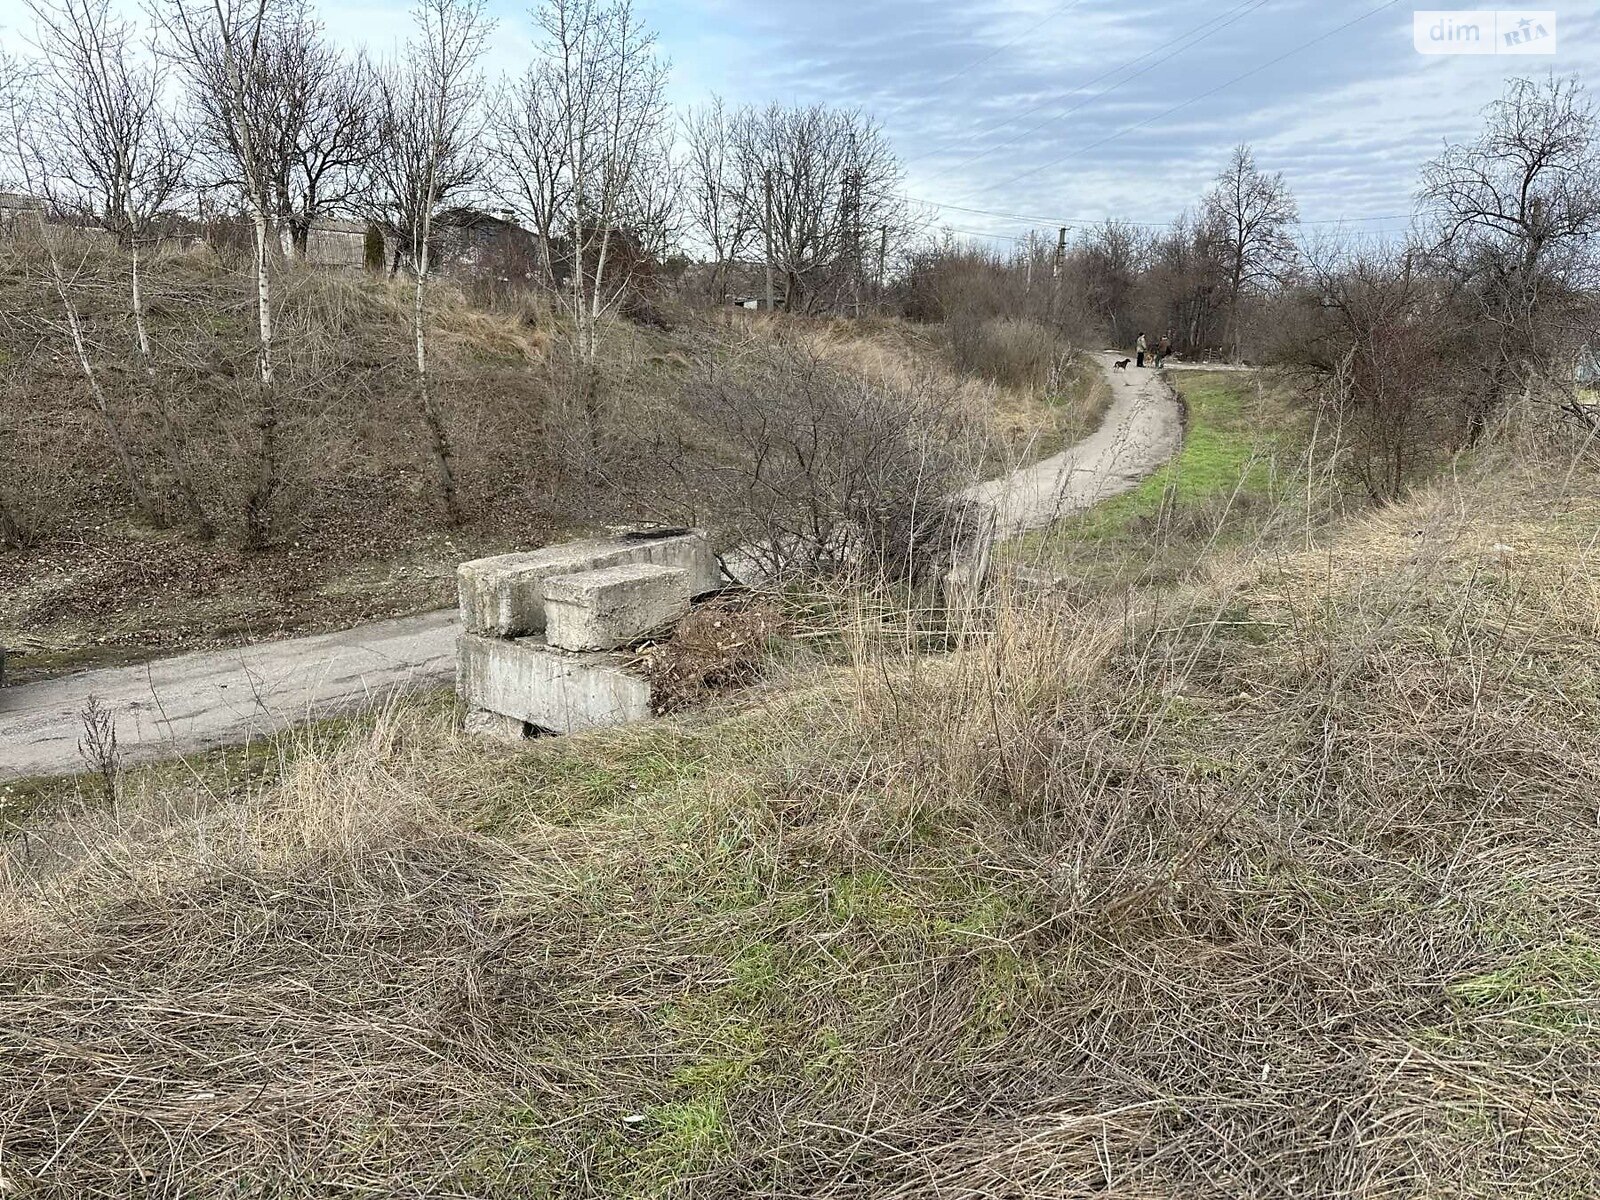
(27, 115)
(312, 115)
(611, 114)
(219, 45)
(431, 123)
(112, 159)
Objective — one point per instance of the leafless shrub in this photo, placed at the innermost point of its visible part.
(819, 473)
(1015, 352)
(1373, 341)
(98, 748)
(39, 457)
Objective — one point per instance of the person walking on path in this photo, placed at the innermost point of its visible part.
(1139, 348)
(1163, 349)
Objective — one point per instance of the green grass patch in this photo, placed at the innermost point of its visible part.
(1241, 433)
(1546, 991)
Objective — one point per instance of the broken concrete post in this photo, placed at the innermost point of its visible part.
(614, 606)
(527, 680)
(504, 595)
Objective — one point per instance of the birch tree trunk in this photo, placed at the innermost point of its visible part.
(258, 504)
(114, 433)
(442, 452)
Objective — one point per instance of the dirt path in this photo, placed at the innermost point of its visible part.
(1143, 428)
(220, 697)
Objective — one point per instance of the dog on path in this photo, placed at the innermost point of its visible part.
(1121, 364)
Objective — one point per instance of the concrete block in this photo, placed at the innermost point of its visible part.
(527, 680)
(492, 727)
(614, 606)
(504, 595)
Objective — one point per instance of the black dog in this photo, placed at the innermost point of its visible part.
(1121, 365)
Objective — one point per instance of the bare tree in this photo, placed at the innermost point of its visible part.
(112, 158)
(27, 108)
(1252, 215)
(1108, 263)
(1185, 288)
(1514, 216)
(819, 183)
(328, 139)
(220, 46)
(610, 111)
(431, 118)
(530, 160)
(16, 80)
(714, 189)
(311, 117)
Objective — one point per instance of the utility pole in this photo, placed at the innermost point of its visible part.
(766, 182)
(1060, 264)
(852, 185)
(883, 254)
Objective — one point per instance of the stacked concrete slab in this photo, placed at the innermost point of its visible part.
(545, 630)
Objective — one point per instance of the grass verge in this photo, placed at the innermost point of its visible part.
(1243, 466)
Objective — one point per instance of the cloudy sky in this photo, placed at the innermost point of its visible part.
(1123, 108)
(1057, 111)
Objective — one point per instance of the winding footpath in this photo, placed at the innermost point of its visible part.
(1143, 428)
(212, 698)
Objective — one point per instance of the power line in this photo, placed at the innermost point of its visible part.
(1256, 70)
(1091, 222)
(995, 126)
(1234, 15)
(980, 234)
(1009, 237)
(1059, 11)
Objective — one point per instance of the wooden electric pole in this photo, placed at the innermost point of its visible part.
(766, 182)
(883, 254)
(1059, 269)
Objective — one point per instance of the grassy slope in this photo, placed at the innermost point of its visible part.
(103, 589)
(1283, 887)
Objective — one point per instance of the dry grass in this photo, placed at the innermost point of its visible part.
(1027, 418)
(1282, 883)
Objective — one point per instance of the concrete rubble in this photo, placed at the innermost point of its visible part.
(604, 609)
(503, 596)
(546, 632)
